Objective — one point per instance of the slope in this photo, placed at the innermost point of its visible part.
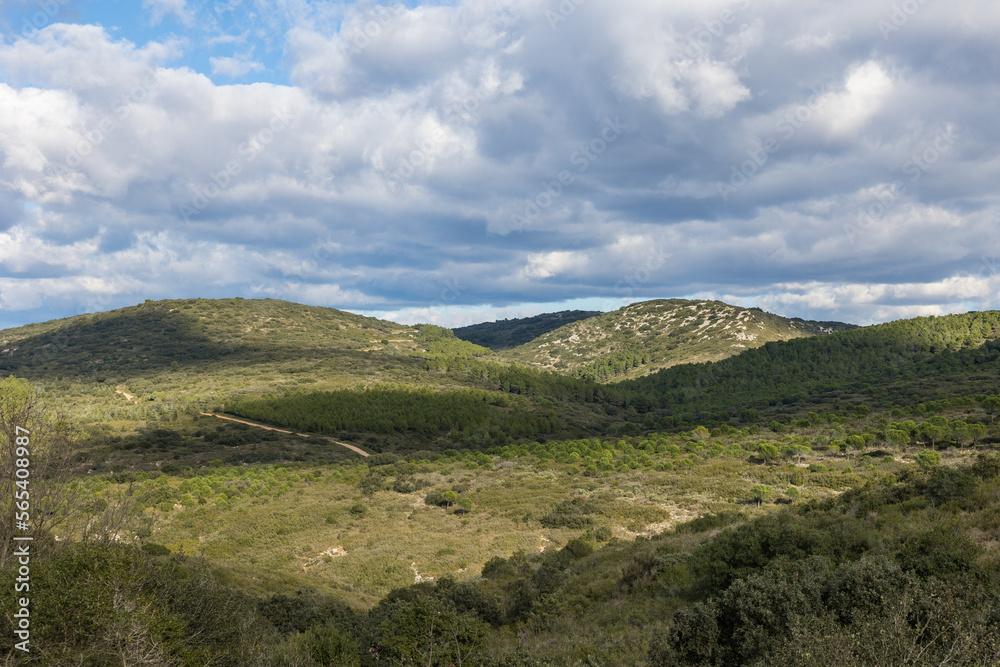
(647, 336)
(138, 362)
(901, 362)
(505, 334)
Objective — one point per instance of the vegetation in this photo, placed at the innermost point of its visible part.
(505, 334)
(418, 413)
(647, 336)
(826, 500)
(909, 361)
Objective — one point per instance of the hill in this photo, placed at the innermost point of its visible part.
(647, 336)
(905, 362)
(505, 334)
(119, 374)
(783, 506)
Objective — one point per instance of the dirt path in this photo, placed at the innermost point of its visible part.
(280, 430)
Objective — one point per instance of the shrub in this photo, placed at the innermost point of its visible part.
(579, 547)
(576, 513)
(987, 466)
(947, 484)
(928, 459)
(602, 533)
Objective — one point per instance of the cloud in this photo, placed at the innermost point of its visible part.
(234, 67)
(160, 9)
(441, 159)
(814, 42)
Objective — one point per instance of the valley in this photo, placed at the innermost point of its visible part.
(271, 483)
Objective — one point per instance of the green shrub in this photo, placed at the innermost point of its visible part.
(928, 459)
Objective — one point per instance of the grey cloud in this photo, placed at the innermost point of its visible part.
(416, 151)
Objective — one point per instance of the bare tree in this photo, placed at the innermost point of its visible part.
(58, 504)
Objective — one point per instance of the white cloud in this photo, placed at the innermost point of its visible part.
(814, 42)
(412, 150)
(160, 9)
(866, 88)
(234, 67)
(547, 265)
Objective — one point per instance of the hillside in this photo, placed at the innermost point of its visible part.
(205, 349)
(505, 334)
(903, 362)
(121, 373)
(807, 493)
(644, 337)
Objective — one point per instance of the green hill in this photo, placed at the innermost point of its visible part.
(903, 362)
(505, 334)
(647, 336)
(120, 374)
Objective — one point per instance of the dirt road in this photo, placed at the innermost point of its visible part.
(280, 430)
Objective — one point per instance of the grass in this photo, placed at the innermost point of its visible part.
(278, 531)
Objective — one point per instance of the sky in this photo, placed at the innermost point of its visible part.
(459, 162)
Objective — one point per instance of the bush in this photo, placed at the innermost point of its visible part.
(576, 513)
(579, 547)
(987, 466)
(928, 459)
(947, 484)
(602, 533)
(709, 522)
(497, 567)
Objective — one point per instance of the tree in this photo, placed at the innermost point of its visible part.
(856, 442)
(760, 493)
(43, 450)
(897, 438)
(932, 432)
(768, 451)
(961, 433)
(991, 406)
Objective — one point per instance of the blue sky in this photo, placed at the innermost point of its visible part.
(465, 161)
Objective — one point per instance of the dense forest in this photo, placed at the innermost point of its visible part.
(505, 334)
(908, 360)
(419, 413)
